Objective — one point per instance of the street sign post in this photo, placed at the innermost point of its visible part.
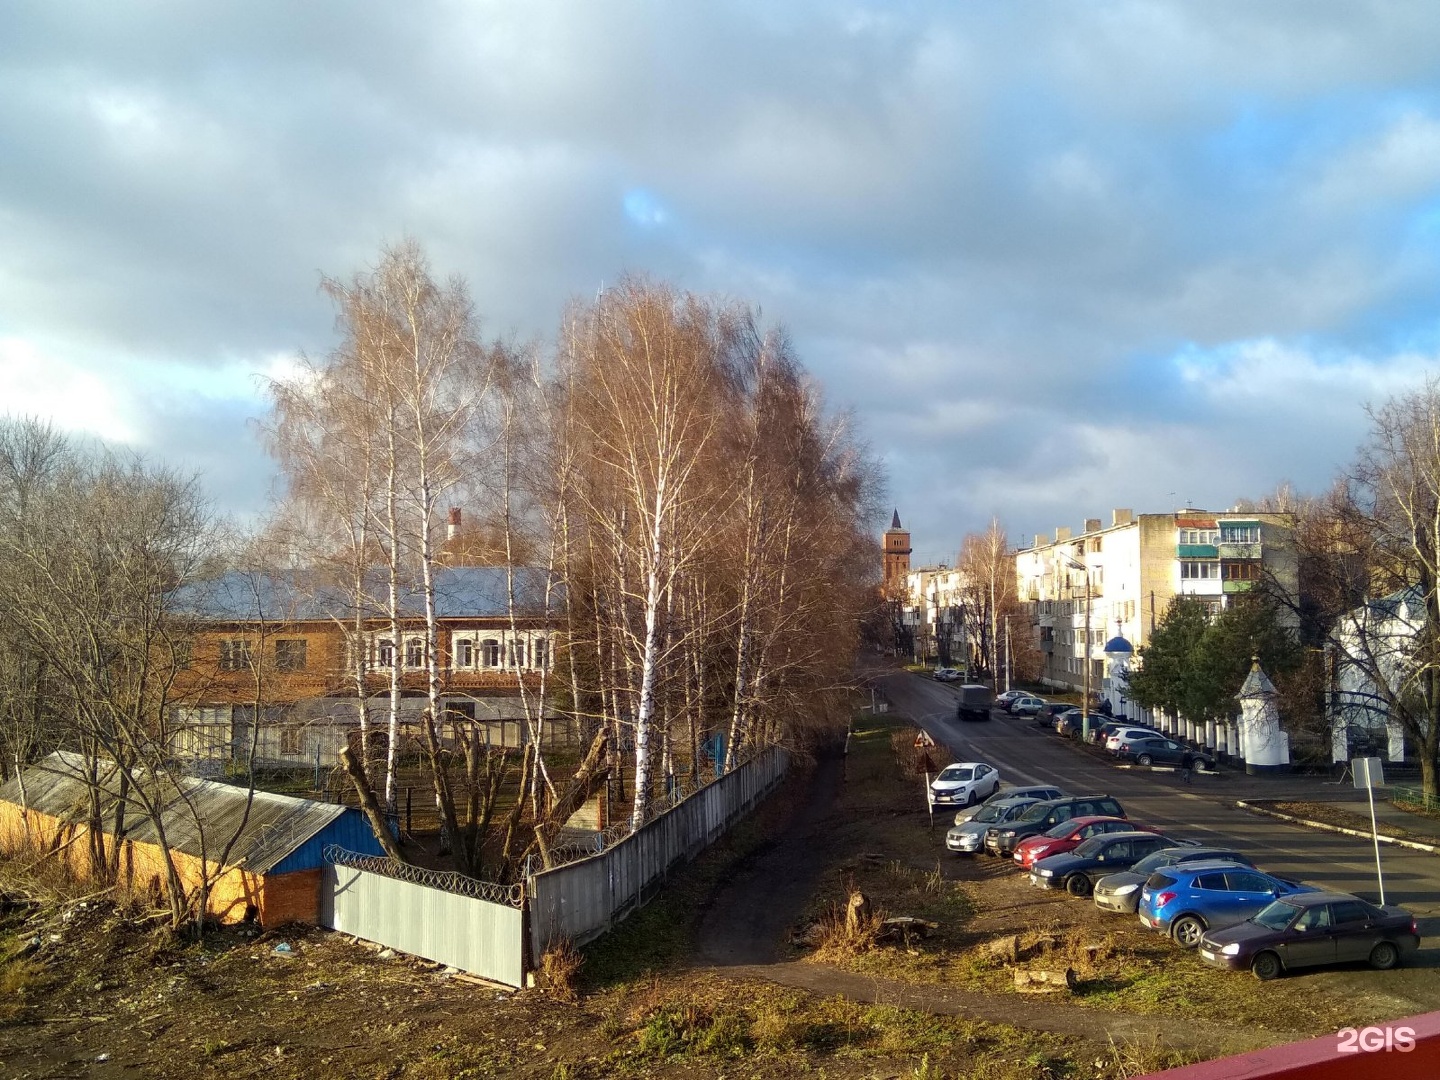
(924, 743)
(1370, 773)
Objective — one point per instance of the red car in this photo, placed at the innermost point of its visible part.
(1068, 835)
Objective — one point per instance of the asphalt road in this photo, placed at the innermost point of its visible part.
(1203, 810)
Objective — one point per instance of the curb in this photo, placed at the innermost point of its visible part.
(1412, 844)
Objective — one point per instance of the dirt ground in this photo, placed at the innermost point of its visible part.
(727, 974)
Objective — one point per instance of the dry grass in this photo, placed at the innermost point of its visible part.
(835, 940)
(18, 977)
(559, 970)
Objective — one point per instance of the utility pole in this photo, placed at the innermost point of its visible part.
(1075, 563)
(1085, 701)
(1007, 653)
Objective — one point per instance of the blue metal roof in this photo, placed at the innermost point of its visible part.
(308, 596)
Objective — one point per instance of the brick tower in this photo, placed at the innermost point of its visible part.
(897, 558)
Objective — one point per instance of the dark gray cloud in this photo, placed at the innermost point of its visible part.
(1058, 257)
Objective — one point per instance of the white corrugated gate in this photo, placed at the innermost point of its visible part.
(463, 931)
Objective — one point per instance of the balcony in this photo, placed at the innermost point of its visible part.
(1197, 551)
(1238, 586)
(1240, 551)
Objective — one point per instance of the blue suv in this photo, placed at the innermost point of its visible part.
(1188, 899)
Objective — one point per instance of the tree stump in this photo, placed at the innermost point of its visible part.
(1045, 982)
(1006, 948)
(857, 913)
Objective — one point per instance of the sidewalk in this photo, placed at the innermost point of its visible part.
(1233, 783)
(1347, 802)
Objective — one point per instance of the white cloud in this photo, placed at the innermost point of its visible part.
(54, 388)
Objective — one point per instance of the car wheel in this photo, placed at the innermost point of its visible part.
(1266, 966)
(1384, 956)
(971, 797)
(1144, 759)
(1187, 931)
(1077, 885)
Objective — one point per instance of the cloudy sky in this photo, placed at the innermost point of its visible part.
(1057, 258)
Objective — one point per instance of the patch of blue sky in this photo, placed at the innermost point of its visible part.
(644, 208)
(1161, 381)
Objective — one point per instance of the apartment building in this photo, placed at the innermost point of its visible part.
(932, 615)
(1117, 581)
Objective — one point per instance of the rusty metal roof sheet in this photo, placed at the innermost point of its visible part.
(200, 817)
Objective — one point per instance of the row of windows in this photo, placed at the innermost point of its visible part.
(470, 653)
(1198, 536)
(238, 654)
(1212, 571)
(1225, 534)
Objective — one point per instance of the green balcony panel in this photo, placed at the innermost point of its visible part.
(1238, 586)
(1196, 551)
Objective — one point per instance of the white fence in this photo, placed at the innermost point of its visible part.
(479, 927)
(584, 899)
(451, 920)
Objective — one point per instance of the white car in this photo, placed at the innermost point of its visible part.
(1125, 734)
(964, 783)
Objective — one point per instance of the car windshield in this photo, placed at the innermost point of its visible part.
(1035, 813)
(1152, 862)
(1276, 916)
(955, 772)
(1063, 829)
(1093, 846)
(988, 813)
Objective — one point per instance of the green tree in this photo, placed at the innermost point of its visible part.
(1194, 664)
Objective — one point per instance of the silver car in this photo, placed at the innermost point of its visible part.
(969, 838)
(1039, 791)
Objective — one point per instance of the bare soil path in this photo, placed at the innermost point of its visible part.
(750, 917)
(744, 932)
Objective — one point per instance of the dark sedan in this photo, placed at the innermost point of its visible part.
(1077, 871)
(1121, 892)
(1311, 929)
(1158, 750)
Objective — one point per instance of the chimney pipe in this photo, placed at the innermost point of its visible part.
(453, 525)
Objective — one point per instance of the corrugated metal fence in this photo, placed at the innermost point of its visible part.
(442, 917)
(584, 899)
(480, 928)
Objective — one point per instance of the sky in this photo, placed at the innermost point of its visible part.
(1055, 258)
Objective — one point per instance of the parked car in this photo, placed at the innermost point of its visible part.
(1067, 836)
(1110, 727)
(1003, 700)
(1025, 706)
(1034, 794)
(1046, 714)
(1130, 731)
(1186, 900)
(968, 837)
(946, 674)
(1077, 871)
(966, 782)
(1068, 724)
(1312, 929)
(1162, 751)
(1121, 892)
(1048, 814)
